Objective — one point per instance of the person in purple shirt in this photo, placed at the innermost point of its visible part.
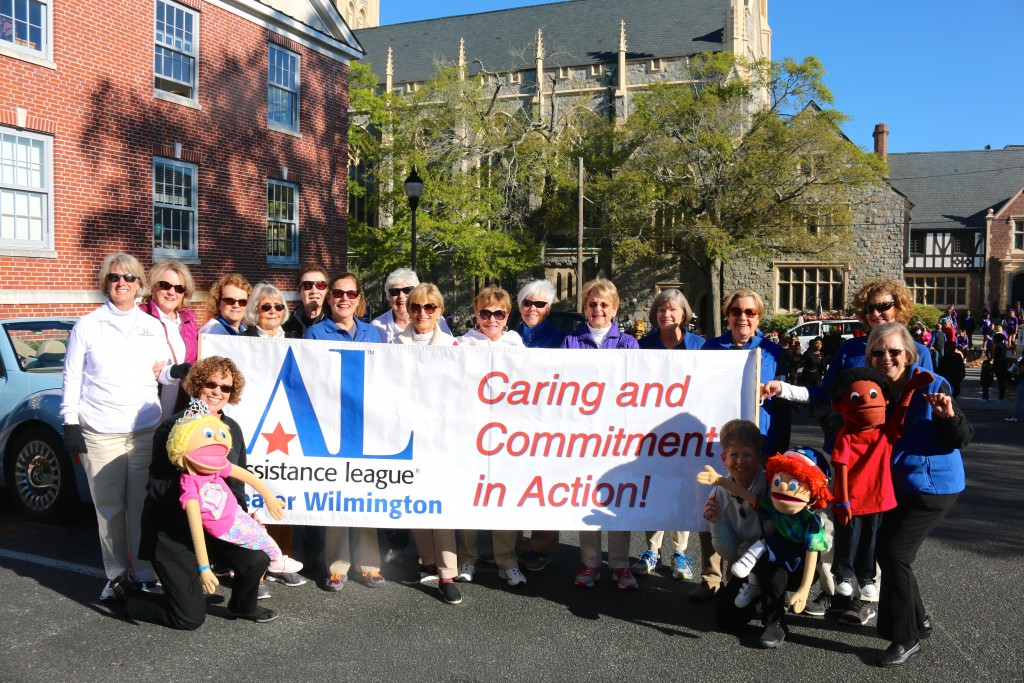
(347, 304)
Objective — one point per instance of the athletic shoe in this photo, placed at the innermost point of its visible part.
(336, 582)
(859, 614)
(869, 592)
(263, 592)
(682, 567)
(372, 579)
(466, 572)
(120, 587)
(819, 606)
(450, 593)
(108, 592)
(844, 588)
(514, 576)
(288, 579)
(535, 562)
(624, 579)
(748, 593)
(150, 587)
(647, 563)
(586, 577)
(285, 565)
(260, 615)
(420, 573)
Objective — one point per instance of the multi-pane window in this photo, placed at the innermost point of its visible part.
(174, 209)
(806, 288)
(939, 290)
(177, 49)
(917, 243)
(283, 88)
(26, 189)
(282, 222)
(25, 24)
(1018, 233)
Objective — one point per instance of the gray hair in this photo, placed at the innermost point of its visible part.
(128, 263)
(893, 329)
(260, 291)
(538, 288)
(672, 295)
(399, 276)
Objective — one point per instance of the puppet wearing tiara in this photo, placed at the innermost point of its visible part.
(199, 444)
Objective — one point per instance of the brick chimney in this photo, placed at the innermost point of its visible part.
(881, 135)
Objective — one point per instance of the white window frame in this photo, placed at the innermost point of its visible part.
(160, 93)
(192, 210)
(9, 187)
(1017, 235)
(274, 259)
(657, 65)
(275, 125)
(43, 55)
(839, 300)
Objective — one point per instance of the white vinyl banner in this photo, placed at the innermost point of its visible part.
(369, 435)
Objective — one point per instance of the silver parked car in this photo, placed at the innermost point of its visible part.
(45, 480)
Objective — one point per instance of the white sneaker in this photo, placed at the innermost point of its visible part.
(107, 593)
(844, 588)
(285, 565)
(466, 572)
(869, 592)
(514, 576)
(743, 566)
(748, 593)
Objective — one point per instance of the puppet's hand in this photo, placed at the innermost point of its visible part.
(942, 404)
(842, 514)
(209, 581)
(273, 505)
(921, 378)
(708, 477)
(772, 388)
(799, 600)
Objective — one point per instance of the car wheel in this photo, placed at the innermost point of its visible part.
(39, 472)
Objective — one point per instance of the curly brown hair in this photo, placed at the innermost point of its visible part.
(213, 296)
(899, 291)
(206, 368)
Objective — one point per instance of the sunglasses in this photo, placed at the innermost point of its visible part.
(225, 388)
(309, 284)
(429, 309)
(878, 308)
(266, 308)
(350, 293)
(232, 302)
(128, 277)
(395, 291)
(737, 311)
(487, 315)
(164, 285)
(536, 304)
(893, 353)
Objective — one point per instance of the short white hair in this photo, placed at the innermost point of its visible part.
(400, 276)
(261, 291)
(538, 288)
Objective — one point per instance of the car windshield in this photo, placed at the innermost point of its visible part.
(39, 345)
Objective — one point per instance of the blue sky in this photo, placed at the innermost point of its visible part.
(943, 74)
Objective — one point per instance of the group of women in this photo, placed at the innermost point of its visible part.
(126, 363)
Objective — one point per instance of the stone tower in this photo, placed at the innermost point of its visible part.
(360, 13)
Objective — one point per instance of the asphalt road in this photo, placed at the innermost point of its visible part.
(55, 630)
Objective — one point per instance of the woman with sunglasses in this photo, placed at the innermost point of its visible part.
(311, 284)
(393, 321)
(601, 331)
(166, 537)
(170, 289)
(266, 314)
(115, 357)
(491, 309)
(225, 302)
(346, 305)
(928, 476)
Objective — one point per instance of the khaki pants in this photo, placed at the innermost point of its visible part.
(503, 543)
(618, 549)
(117, 469)
(437, 546)
(677, 541)
(711, 562)
(338, 542)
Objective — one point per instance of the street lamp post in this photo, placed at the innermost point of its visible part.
(413, 190)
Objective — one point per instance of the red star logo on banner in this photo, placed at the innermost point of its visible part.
(277, 440)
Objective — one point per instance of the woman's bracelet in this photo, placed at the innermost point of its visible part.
(203, 568)
(841, 505)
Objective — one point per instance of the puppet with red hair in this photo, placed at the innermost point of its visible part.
(798, 485)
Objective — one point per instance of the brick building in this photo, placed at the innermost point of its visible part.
(209, 131)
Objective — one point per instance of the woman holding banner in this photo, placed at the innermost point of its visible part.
(600, 331)
(491, 308)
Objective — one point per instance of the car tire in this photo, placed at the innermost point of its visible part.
(40, 475)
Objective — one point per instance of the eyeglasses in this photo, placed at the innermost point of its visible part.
(128, 277)
(225, 388)
(893, 353)
(878, 308)
(310, 284)
(350, 293)
(395, 291)
(164, 285)
(429, 309)
(232, 302)
(267, 307)
(536, 304)
(487, 315)
(737, 311)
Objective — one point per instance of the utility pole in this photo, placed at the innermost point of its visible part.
(579, 246)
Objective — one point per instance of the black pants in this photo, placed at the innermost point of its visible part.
(774, 581)
(183, 605)
(855, 548)
(903, 530)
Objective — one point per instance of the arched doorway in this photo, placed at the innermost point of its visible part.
(1016, 289)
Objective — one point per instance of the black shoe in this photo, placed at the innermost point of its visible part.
(773, 636)
(897, 654)
(819, 606)
(925, 628)
(261, 615)
(120, 586)
(859, 614)
(450, 592)
(702, 593)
